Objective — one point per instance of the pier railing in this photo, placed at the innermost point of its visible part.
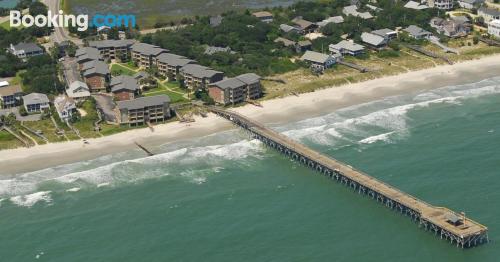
(446, 223)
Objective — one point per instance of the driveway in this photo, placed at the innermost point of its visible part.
(106, 104)
(15, 111)
(71, 70)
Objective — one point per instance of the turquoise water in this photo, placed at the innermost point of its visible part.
(227, 198)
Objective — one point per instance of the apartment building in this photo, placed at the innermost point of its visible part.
(197, 76)
(236, 90)
(144, 110)
(145, 55)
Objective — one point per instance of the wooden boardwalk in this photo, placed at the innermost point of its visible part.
(448, 224)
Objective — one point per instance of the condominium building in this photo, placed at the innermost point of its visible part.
(236, 90)
(140, 111)
(113, 49)
(145, 55)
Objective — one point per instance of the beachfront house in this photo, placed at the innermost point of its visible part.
(65, 107)
(78, 91)
(144, 110)
(470, 4)
(25, 50)
(124, 87)
(10, 95)
(145, 55)
(113, 49)
(264, 16)
(451, 27)
(319, 61)
(302, 46)
(345, 47)
(417, 32)
(494, 28)
(96, 75)
(36, 102)
(488, 14)
(236, 90)
(374, 41)
(197, 76)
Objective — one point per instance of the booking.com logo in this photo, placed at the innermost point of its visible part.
(62, 20)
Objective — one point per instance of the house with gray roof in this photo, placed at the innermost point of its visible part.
(78, 91)
(450, 27)
(353, 10)
(65, 107)
(10, 95)
(417, 32)
(144, 110)
(289, 29)
(304, 26)
(236, 90)
(319, 61)
(87, 54)
(113, 49)
(96, 74)
(374, 41)
(470, 4)
(197, 76)
(335, 20)
(36, 102)
(169, 65)
(386, 33)
(145, 54)
(415, 5)
(124, 87)
(285, 42)
(488, 14)
(264, 16)
(345, 47)
(25, 50)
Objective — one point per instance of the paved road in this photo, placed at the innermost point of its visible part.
(71, 70)
(60, 34)
(15, 111)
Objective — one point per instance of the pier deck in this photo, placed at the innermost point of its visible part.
(442, 221)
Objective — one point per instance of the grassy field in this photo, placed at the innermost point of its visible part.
(174, 94)
(8, 141)
(118, 69)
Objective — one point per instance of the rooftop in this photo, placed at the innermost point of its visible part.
(123, 82)
(35, 98)
(111, 43)
(348, 45)
(147, 49)
(335, 19)
(373, 39)
(199, 71)
(262, 14)
(315, 57)
(28, 47)
(95, 67)
(174, 60)
(143, 102)
(10, 90)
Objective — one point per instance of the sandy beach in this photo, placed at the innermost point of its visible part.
(280, 110)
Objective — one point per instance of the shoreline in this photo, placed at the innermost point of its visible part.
(278, 111)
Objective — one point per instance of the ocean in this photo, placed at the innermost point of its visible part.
(226, 197)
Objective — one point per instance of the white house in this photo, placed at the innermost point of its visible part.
(494, 28)
(319, 60)
(65, 107)
(36, 102)
(78, 90)
(470, 4)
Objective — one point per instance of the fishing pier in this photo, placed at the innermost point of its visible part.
(445, 223)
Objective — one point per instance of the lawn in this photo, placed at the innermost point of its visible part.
(8, 141)
(48, 129)
(5, 25)
(86, 124)
(118, 69)
(162, 90)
